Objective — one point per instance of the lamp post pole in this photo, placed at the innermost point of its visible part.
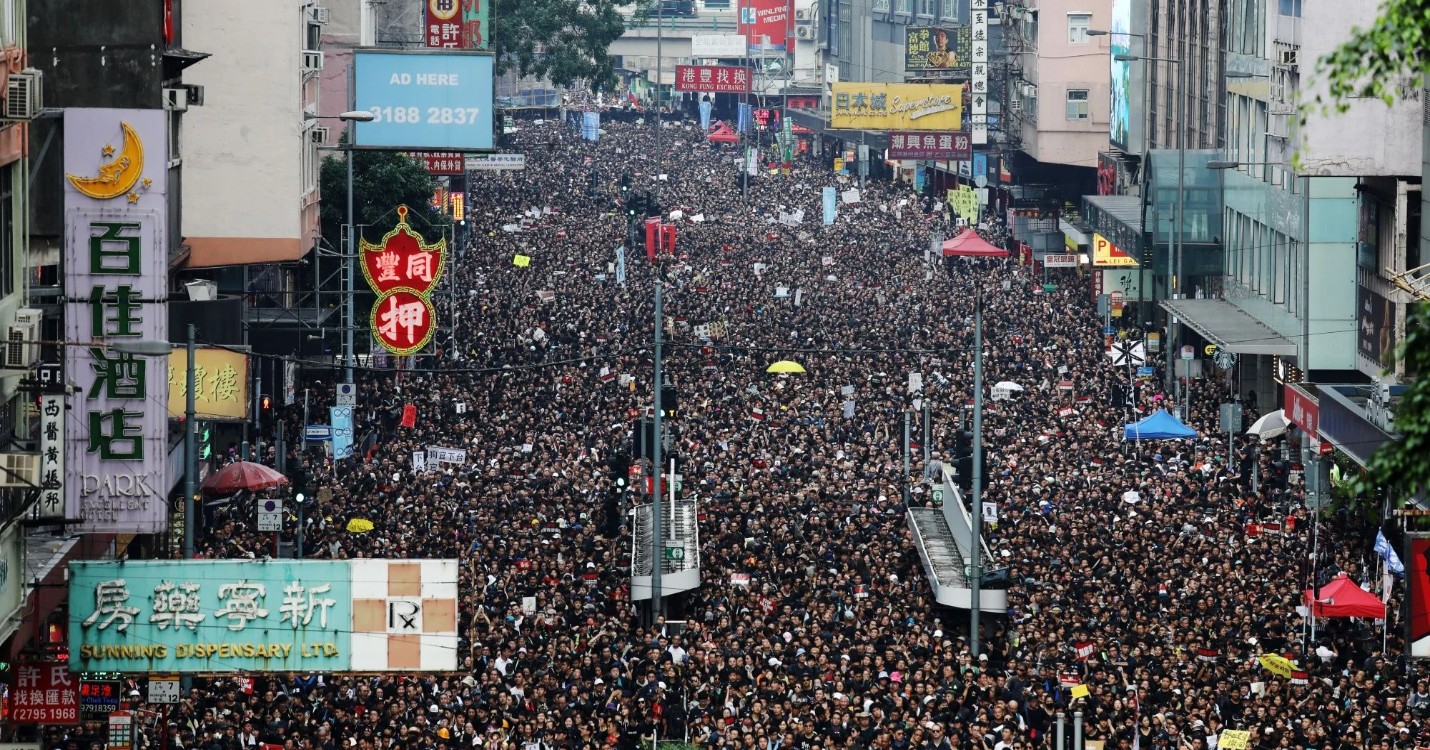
(191, 447)
(975, 582)
(657, 543)
(349, 356)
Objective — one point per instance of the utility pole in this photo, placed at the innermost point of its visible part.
(657, 543)
(975, 563)
(659, 153)
(191, 448)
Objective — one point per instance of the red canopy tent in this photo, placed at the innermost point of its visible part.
(722, 133)
(1342, 597)
(970, 245)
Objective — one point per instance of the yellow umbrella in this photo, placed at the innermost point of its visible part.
(785, 365)
(1277, 665)
(359, 526)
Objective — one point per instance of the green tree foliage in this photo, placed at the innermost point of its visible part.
(564, 41)
(1381, 60)
(382, 180)
(1403, 463)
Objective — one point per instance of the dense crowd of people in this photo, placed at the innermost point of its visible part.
(1132, 570)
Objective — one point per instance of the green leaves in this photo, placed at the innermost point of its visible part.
(565, 41)
(1382, 61)
(382, 180)
(1403, 464)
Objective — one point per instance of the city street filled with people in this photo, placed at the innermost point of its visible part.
(1156, 574)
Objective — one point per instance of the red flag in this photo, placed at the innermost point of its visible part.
(652, 236)
(409, 416)
(667, 239)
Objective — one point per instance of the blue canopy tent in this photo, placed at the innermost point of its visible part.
(1159, 426)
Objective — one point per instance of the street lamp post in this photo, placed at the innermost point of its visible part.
(1175, 271)
(298, 501)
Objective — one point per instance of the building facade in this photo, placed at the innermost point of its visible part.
(1061, 100)
(256, 136)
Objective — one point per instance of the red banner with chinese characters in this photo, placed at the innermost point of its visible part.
(940, 146)
(403, 260)
(441, 27)
(712, 79)
(403, 321)
(403, 269)
(441, 164)
(43, 692)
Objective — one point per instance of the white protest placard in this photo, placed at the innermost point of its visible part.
(440, 455)
(419, 461)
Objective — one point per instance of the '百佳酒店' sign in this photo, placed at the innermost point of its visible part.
(116, 263)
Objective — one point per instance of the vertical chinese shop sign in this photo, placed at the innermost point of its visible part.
(115, 264)
(403, 270)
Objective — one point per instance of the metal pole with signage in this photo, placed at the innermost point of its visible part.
(191, 449)
(657, 538)
(976, 544)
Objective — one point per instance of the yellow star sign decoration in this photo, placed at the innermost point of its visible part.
(120, 170)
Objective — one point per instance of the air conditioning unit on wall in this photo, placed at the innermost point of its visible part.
(1290, 57)
(24, 94)
(804, 32)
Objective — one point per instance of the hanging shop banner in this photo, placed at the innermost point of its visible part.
(765, 24)
(203, 616)
(937, 48)
(403, 260)
(978, 71)
(897, 106)
(935, 146)
(52, 457)
(440, 163)
(340, 418)
(220, 384)
(712, 79)
(116, 285)
(43, 692)
(441, 27)
(403, 321)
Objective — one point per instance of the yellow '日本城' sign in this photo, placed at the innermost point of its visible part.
(220, 384)
(897, 106)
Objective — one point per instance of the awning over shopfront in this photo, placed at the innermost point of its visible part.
(1229, 327)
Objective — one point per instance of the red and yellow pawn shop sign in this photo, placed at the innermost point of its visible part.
(403, 269)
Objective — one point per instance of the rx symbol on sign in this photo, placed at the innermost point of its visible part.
(404, 616)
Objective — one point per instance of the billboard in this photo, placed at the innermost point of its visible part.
(204, 616)
(220, 384)
(1107, 255)
(712, 79)
(116, 256)
(1375, 324)
(403, 270)
(424, 100)
(936, 146)
(43, 692)
(897, 106)
(495, 162)
(1121, 83)
(717, 45)
(766, 23)
(1417, 583)
(938, 48)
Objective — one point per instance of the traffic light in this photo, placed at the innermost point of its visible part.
(265, 403)
(669, 402)
(206, 438)
(625, 184)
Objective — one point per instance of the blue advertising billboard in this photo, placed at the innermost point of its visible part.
(206, 616)
(424, 100)
(1126, 106)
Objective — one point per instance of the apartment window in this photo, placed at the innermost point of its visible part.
(881, 6)
(926, 7)
(312, 36)
(950, 10)
(1078, 24)
(7, 227)
(906, 6)
(1077, 104)
(310, 161)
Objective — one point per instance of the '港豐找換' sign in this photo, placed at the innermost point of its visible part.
(201, 616)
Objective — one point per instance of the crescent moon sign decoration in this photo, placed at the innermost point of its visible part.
(118, 176)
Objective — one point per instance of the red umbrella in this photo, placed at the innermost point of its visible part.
(243, 475)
